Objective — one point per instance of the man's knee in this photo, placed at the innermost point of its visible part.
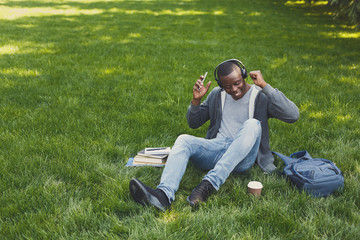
(253, 124)
(183, 139)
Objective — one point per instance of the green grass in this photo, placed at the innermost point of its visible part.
(86, 84)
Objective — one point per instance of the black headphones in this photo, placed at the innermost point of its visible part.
(238, 63)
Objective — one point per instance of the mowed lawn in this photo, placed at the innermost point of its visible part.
(86, 84)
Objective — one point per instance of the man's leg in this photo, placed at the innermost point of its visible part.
(240, 155)
(185, 147)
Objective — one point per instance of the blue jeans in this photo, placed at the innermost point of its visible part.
(221, 156)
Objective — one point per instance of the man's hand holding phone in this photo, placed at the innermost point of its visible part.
(199, 90)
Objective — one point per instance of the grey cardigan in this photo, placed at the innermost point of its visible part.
(269, 103)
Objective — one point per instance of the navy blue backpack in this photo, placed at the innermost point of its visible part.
(316, 176)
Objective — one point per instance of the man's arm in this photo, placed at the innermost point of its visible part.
(280, 106)
(198, 113)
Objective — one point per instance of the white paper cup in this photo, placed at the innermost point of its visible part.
(255, 188)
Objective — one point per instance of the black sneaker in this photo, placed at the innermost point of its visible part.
(146, 195)
(200, 193)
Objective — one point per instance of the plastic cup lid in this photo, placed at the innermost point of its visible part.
(255, 185)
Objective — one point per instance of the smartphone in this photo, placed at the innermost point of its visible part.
(203, 78)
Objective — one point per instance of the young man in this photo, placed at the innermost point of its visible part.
(238, 134)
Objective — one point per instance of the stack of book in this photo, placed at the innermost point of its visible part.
(152, 156)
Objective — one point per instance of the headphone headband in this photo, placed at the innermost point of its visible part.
(237, 62)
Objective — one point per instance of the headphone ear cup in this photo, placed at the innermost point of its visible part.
(243, 73)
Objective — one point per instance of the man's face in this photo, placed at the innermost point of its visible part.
(234, 84)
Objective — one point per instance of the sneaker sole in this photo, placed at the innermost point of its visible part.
(190, 202)
(142, 196)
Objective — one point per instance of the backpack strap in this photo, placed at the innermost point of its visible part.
(286, 159)
(253, 95)
(301, 155)
(223, 94)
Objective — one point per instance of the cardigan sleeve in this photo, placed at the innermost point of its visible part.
(197, 115)
(280, 106)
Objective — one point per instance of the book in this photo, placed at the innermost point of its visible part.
(147, 159)
(157, 150)
(131, 163)
(161, 155)
(150, 157)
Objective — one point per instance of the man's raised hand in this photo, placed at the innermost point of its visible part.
(199, 90)
(257, 78)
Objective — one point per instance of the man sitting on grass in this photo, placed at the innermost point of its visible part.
(238, 134)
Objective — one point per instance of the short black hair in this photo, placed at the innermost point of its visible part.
(226, 68)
